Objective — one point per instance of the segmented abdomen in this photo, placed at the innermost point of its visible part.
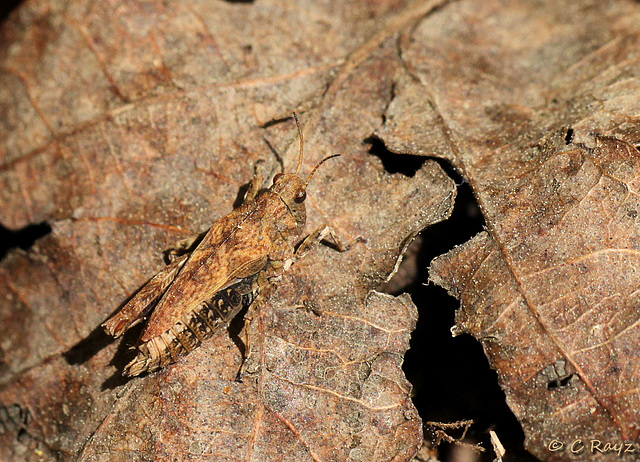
(194, 327)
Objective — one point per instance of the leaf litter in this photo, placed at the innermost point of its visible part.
(534, 104)
(150, 144)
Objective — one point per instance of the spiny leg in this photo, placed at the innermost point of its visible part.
(252, 331)
(313, 239)
(324, 233)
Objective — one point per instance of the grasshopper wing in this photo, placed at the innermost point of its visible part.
(236, 247)
(143, 301)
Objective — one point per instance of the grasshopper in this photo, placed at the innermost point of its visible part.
(215, 275)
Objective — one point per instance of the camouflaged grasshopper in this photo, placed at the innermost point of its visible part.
(223, 272)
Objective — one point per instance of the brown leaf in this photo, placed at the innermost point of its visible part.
(516, 92)
(128, 128)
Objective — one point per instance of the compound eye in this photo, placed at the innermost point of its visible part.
(277, 178)
(300, 196)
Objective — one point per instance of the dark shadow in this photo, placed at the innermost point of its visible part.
(16, 418)
(275, 153)
(272, 122)
(568, 137)
(124, 354)
(169, 255)
(98, 339)
(235, 328)
(242, 192)
(6, 7)
(88, 347)
(23, 238)
(406, 164)
(560, 382)
(451, 377)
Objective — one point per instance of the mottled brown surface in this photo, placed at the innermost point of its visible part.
(130, 126)
(514, 94)
(132, 132)
(566, 360)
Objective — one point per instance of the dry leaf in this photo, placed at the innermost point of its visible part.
(128, 127)
(536, 105)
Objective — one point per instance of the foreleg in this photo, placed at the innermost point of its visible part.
(324, 233)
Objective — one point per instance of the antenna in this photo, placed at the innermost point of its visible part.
(301, 143)
(316, 168)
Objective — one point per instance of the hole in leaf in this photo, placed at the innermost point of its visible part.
(406, 164)
(23, 238)
(568, 138)
(560, 382)
(451, 377)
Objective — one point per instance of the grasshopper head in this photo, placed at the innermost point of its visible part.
(290, 187)
(293, 192)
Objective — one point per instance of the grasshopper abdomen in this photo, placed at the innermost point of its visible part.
(195, 327)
